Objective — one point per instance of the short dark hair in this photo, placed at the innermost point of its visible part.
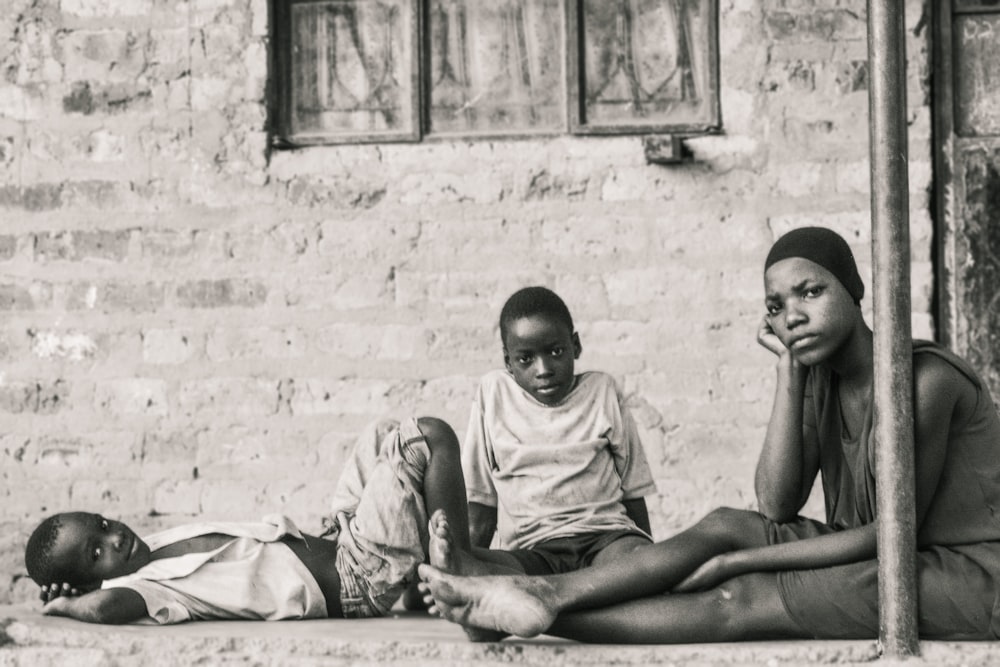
(530, 301)
(38, 552)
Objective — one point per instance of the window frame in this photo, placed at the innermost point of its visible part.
(281, 33)
(576, 84)
(418, 14)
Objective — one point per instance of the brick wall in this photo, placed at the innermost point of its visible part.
(192, 327)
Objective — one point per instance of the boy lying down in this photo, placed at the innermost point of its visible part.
(98, 570)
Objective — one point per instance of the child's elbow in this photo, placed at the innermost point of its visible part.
(116, 609)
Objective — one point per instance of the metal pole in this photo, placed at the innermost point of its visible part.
(893, 383)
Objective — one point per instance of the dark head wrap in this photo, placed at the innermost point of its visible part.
(824, 247)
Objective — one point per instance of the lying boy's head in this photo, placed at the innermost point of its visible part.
(540, 346)
(82, 550)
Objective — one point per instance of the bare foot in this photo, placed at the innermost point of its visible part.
(511, 604)
(441, 548)
(446, 558)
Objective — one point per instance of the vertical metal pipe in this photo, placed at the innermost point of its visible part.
(893, 383)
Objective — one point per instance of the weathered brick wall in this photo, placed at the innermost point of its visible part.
(192, 327)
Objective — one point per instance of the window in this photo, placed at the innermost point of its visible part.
(351, 71)
(976, 38)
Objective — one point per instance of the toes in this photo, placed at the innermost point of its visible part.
(438, 524)
(445, 594)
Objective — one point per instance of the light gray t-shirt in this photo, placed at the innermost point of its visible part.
(553, 471)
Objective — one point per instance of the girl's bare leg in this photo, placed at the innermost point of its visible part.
(657, 568)
(747, 607)
(646, 570)
(654, 568)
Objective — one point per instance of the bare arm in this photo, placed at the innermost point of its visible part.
(482, 524)
(846, 546)
(112, 605)
(788, 463)
(637, 511)
(939, 395)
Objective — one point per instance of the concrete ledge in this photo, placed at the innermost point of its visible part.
(28, 639)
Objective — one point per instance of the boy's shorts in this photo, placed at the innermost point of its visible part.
(956, 595)
(567, 554)
(383, 522)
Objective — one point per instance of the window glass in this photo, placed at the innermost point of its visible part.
(352, 71)
(351, 67)
(496, 66)
(647, 62)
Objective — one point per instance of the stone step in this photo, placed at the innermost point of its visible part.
(28, 639)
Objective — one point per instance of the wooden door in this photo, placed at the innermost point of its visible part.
(966, 90)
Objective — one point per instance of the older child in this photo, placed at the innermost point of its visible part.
(744, 575)
(552, 457)
(267, 570)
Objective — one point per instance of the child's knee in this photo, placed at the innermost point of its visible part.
(728, 524)
(440, 437)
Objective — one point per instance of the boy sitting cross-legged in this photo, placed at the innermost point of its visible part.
(98, 570)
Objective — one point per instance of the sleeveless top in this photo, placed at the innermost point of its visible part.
(967, 499)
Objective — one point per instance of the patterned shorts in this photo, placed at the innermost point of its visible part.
(380, 513)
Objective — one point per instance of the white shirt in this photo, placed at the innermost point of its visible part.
(253, 576)
(553, 471)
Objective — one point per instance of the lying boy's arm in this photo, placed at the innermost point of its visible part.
(636, 510)
(482, 524)
(112, 605)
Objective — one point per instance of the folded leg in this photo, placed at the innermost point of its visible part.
(414, 469)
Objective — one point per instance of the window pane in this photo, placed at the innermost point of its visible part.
(496, 66)
(977, 74)
(351, 68)
(649, 62)
(973, 5)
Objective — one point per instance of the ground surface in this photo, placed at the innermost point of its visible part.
(28, 639)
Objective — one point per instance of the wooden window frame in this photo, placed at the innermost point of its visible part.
(577, 123)
(281, 35)
(419, 96)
